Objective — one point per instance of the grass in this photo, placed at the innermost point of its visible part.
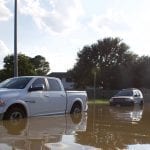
(98, 101)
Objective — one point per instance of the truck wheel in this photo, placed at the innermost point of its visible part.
(14, 113)
(76, 108)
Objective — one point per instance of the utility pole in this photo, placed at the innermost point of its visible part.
(15, 40)
(94, 85)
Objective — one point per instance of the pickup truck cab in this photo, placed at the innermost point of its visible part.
(27, 96)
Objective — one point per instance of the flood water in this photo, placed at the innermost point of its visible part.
(102, 127)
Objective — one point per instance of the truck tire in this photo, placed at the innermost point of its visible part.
(14, 113)
(76, 108)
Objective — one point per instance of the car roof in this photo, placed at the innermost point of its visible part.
(36, 77)
(130, 89)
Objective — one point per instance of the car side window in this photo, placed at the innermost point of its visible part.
(39, 81)
(136, 94)
(129, 93)
(54, 85)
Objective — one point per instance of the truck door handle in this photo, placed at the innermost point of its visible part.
(62, 95)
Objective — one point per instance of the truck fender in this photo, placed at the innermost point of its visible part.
(21, 102)
(78, 100)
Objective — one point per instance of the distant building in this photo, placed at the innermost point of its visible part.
(66, 80)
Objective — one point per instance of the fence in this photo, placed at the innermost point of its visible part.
(100, 94)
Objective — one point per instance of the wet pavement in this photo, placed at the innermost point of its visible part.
(102, 127)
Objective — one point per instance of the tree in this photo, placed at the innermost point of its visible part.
(82, 70)
(101, 57)
(26, 66)
(40, 64)
(3, 75)
(127, 71)
(142, 72)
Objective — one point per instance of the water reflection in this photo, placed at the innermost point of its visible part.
(113, 127)
(103, 127)
(139, 147)
(132, 114)
(37, 133)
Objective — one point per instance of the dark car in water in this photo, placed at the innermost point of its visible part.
(127, 97)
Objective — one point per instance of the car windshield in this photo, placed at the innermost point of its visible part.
(124, 93)
(15, 83)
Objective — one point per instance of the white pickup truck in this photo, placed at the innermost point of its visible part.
(27, 96)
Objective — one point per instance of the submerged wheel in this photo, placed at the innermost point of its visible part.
(76, 108)
(14, 113)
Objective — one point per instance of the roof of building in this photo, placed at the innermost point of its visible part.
(58, 74)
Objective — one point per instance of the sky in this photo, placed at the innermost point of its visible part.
(59, 29)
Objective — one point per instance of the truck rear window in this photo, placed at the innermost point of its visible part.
(54, 85)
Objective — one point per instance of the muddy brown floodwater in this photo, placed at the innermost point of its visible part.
(102, 127)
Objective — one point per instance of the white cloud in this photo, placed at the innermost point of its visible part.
(58, 60)
(110, 23)
(4, 51)
(3, 48)
(131, 26)
(5, 13)
(54, 16)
